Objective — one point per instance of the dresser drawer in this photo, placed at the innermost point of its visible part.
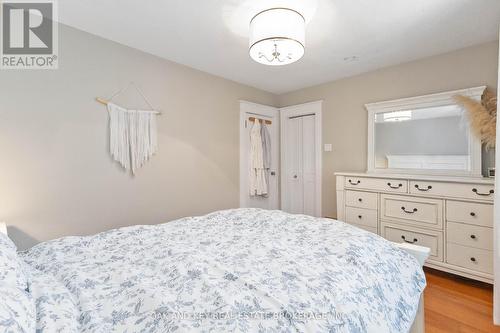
(469, 212)
(412, 210)
(469, 257)
(378, 184)
(454, 190)
(430, 239)
(367, 217)
(360, 199)
(470, 235)
(365, 227)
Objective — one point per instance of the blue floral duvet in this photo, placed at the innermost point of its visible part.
(243, 270)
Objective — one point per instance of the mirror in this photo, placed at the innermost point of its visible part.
(430, 138)
(419, 136)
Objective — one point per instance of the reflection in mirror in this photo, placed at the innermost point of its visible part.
(434, 138)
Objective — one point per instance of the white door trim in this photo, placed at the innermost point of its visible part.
(294, 111)
(256, 109)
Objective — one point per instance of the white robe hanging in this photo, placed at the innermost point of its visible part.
(257, 179)
(266, 151)
(132, 136)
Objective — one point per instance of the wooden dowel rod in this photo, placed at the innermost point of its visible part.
(105, 102)
(102, 100)
(268, 122)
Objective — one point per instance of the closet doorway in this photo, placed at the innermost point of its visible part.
(301, 158)
(269, 117)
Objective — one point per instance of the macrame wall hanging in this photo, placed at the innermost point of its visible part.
(133, 138)
(482, 116)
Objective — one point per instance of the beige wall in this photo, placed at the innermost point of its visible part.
(344, 115)
(56, 176)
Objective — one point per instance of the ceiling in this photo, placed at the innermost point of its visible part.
(343, 37)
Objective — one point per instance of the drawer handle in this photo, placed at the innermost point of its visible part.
(472, 214)
(473, 236)
(360, 200)
(395, 187)
(360, 217)
(483, 194)
(423, 189)
(473, 259)
(409, 211)
(354, 183)
(407, 241)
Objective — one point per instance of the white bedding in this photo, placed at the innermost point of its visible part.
(244, 270)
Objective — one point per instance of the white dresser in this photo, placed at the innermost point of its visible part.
(453, 216)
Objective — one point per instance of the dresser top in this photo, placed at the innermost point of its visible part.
(437, 178)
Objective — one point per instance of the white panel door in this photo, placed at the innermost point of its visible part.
(252, 110)
(301, 159)
(294, 167)
(309, 164)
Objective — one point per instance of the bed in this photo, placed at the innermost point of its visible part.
(241, 270)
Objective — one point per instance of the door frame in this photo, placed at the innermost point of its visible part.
(267, 111)
(311, 108)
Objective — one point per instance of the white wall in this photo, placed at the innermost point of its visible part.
(56, 176)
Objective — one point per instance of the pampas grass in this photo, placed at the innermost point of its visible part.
(482, 116)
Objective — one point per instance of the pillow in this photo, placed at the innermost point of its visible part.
(17, 311)
(6, 242)
(56, 310)
(12, 268)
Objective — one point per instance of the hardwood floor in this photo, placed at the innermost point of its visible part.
(455, 304)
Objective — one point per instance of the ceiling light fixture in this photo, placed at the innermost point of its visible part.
(277, 36)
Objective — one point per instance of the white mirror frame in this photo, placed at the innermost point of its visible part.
(425, 101)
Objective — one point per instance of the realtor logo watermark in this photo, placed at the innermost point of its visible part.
(29, 34)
